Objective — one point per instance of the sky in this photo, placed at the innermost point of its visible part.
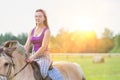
(17, 16)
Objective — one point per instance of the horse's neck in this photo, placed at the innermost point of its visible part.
(26, 73)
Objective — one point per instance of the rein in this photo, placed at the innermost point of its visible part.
(9, 71)
(7, 51)
(10, 68)
(19, 71)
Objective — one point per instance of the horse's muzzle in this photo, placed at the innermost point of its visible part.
(3, 78)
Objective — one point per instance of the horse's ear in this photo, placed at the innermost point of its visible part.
(10, 43)
(9, 51)
(1, 49)
(6, 44)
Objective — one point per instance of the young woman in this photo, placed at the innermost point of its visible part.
(39, 37)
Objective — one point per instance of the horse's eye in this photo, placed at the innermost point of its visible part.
(6, 64)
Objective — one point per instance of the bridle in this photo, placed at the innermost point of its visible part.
(10, 69)
(19, 71)
(8, 72)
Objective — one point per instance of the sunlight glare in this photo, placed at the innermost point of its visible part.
(83, 24)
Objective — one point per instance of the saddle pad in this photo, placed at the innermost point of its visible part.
(55, 74)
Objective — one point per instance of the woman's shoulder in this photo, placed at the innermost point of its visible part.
(47, 30)
(31, 31)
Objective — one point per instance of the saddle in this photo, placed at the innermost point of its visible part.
(36, 70)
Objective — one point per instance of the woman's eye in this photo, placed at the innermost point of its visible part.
(39, 16)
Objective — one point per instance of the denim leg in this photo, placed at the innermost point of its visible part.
(44, 64)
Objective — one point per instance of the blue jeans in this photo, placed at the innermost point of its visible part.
(44, 65)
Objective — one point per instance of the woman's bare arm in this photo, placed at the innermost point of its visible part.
(28, 43)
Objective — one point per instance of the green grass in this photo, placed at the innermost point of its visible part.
(109, 70)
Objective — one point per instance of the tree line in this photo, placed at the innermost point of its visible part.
(75, 42)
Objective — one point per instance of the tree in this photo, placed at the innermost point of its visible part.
(105, 44)
(9, 36)
(116, 48)
(6, 37)
(107, 33)
(22, 38)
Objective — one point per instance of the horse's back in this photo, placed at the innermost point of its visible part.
(70, 71)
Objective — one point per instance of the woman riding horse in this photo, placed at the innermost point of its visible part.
(14, 67)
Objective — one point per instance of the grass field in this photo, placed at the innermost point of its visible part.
(109, 70)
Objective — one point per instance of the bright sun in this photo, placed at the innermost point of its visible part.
(83, 24)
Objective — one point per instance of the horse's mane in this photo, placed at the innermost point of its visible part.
(14, 44)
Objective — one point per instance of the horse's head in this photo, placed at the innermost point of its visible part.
(15, 44)
(7, 55)
(6, 62)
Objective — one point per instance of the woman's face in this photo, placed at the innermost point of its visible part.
(39, 17)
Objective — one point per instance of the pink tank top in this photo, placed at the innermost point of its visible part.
(37, 41)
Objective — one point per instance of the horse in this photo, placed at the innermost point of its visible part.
(14, 67)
